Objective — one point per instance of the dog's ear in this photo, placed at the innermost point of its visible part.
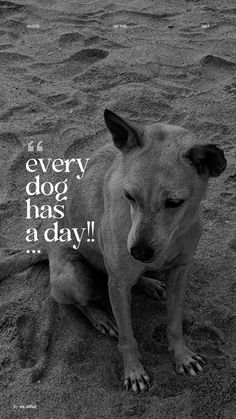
(125, 134)
(208, 160)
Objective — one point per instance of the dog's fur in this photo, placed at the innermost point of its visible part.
(144, 193)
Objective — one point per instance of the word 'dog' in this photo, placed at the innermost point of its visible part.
(47, 188)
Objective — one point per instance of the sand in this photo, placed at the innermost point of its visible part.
(61, 64)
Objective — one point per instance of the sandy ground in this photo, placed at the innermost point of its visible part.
(171, 61)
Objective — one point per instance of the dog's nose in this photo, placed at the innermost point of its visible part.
(142, 253)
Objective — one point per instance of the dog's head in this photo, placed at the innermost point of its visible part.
(165, 174)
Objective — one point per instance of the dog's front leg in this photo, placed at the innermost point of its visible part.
(135, 376)
(185, 360)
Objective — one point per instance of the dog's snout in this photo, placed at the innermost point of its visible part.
(142, 253)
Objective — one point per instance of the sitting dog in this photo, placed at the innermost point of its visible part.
(144, 192)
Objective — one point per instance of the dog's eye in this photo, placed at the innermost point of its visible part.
(129, 197)
(173, 203)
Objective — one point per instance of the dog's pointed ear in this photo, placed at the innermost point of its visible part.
(208, 160)
(126, 135)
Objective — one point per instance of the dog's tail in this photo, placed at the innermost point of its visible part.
(20, 261)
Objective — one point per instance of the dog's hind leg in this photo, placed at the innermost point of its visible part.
(73, 281)
(102, 321)
(155, 288)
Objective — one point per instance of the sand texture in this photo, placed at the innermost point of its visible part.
(61, 64)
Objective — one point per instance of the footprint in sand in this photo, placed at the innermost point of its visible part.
(102, 78)
(230, 189)
(87, 56)
(231, 88)
(216, 61)
(15, 111)
(17, 175)
(10, 143)
(74, 64)
(70, 38)
(131, 18)
(87, 142)
(206, 332)
(218, 67)
(103, 42)
(78, 62)
(9, 7)
(232, 245)
(34, 331)
(9, 58)
(208, 340)
(10, 146)
(26, 339)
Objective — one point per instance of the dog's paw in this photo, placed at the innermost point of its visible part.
(136, 379)
(187, 362)
(103, 323)
(155, 288)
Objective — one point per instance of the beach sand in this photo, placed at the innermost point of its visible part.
(61, 64)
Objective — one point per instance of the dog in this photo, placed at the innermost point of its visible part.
(143, 190)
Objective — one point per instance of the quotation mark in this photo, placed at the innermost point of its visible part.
(31, 146)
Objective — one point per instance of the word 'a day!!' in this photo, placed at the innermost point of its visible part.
(54, 234)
